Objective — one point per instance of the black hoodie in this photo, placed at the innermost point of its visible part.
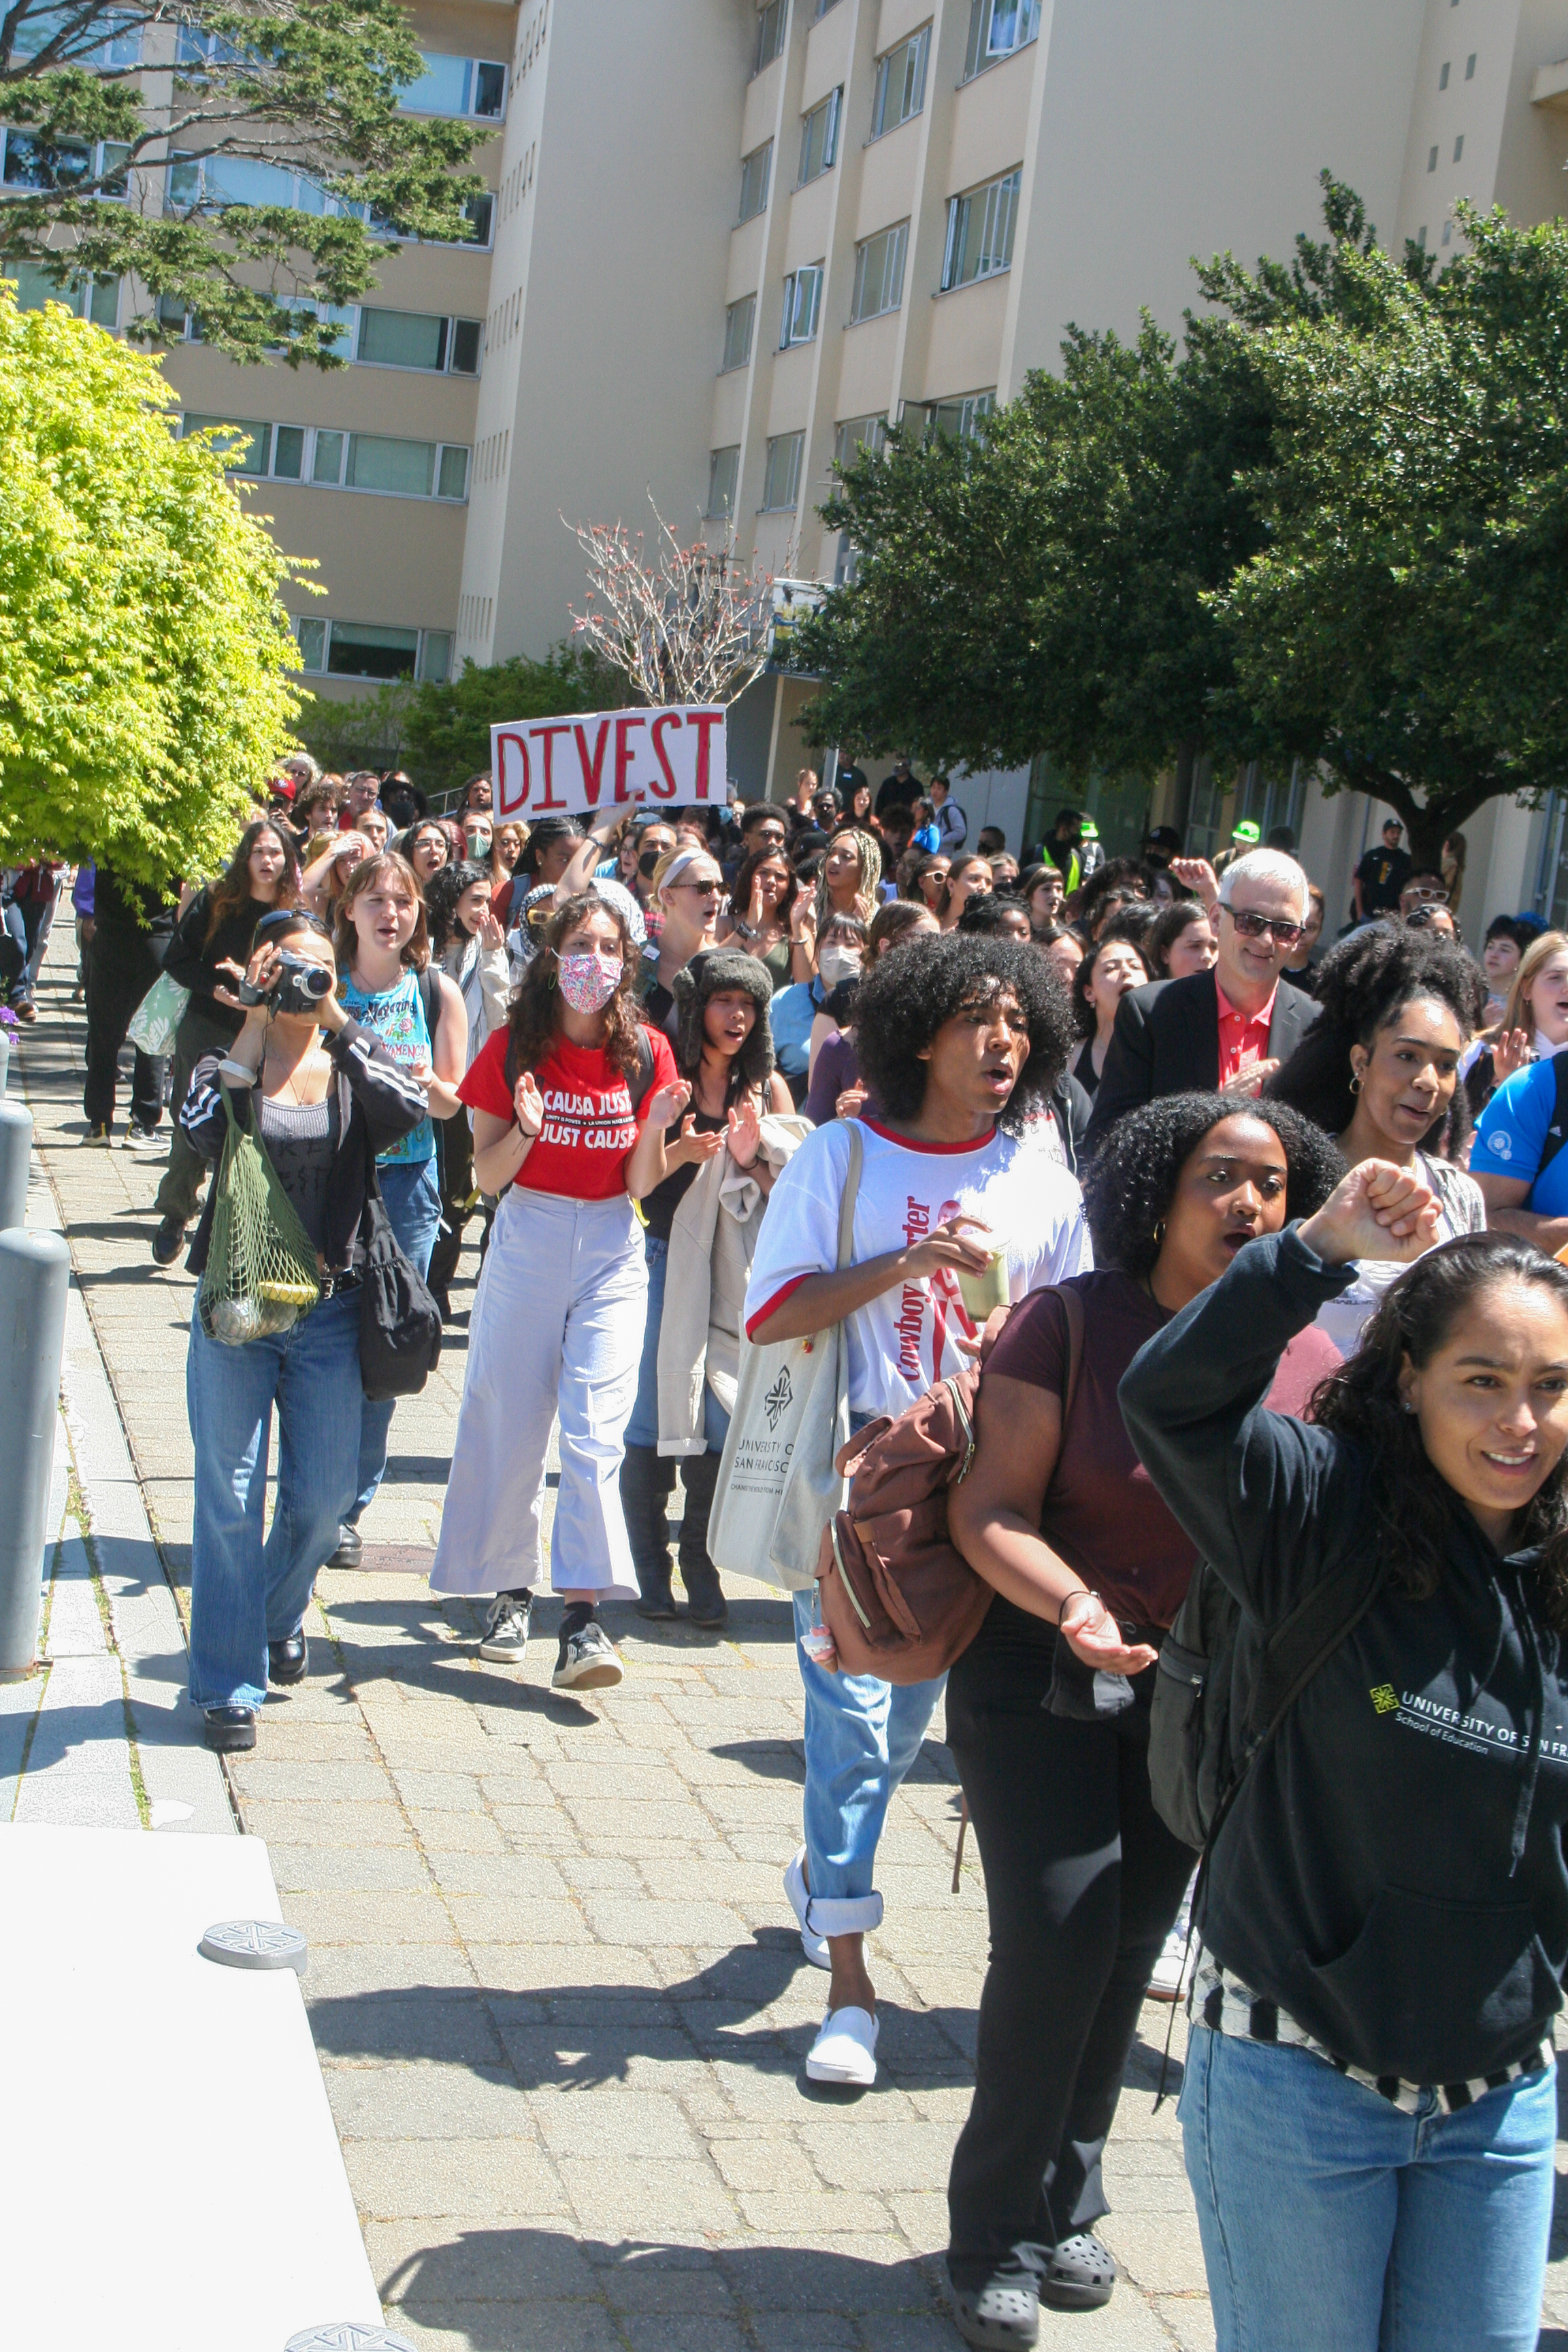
(1392, 1872)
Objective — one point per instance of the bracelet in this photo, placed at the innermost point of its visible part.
(1083, 1594)
(238, 1074)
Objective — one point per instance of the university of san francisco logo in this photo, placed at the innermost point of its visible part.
(776, 1403)
(1385, 1699)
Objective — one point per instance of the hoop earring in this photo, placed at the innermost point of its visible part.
(1355, 1081)
(1159, 1233)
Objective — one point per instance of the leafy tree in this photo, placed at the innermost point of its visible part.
(366, 731)
(99, 93)
(143, 652)
(447, 729)
(1406, 615)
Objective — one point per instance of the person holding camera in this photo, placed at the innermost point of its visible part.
(324, 1096)
(207, 955)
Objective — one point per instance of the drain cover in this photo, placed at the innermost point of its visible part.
(256, 1944)
(348, 2335)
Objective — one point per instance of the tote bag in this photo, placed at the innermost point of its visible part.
(778, 1483)
(157, 1018)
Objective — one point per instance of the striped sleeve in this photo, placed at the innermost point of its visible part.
(202, 1112)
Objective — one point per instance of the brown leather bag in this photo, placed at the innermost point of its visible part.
(897, 1596)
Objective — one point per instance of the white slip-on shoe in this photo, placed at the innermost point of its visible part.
(814, 1946)
(846, 2049)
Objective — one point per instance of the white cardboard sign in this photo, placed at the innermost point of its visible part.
(610, 760)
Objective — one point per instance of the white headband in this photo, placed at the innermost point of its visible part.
(680, 861)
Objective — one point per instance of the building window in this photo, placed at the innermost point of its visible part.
(755, 169)
(331, 461)
(1431, 158)
(210, 180)
(802, 302)
(955, 420)
(996, 29)
(819, 138)
(31, 163)
(96, 299)
(900, 83)
(853, 434)
(738, 323)
(1447, 231)
(39, 27)
(780, 475)
(1458, 146)
(880, 274)
(473, 87)
(414, 338)
(358, 649)
(980, 229)
(723, 480)
(1470, 66)
(1421, 237)
(822, 8)
(1442, 78)
(770, 23)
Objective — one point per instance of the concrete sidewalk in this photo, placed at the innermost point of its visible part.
(560, 2009)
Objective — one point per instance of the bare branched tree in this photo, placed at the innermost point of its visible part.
(692, 627)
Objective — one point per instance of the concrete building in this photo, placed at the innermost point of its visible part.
(728, 242)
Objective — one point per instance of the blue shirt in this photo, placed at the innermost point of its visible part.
(1512, 1135)
(790, 1016)
(397, 1017)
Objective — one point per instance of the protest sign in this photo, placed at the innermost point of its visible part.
(606, 760)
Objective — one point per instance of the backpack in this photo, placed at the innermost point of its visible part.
(897, 1596)
(1223, 1688)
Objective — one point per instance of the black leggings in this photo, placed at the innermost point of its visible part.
(1082, 1883)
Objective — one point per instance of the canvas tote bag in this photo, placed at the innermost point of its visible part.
(778, 1483)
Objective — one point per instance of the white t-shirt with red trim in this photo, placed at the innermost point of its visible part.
(589, 1127)
(904, 1342)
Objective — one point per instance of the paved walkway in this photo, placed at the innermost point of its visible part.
(559, 2004)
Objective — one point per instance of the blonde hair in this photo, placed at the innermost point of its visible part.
(675, 862)
(1516, 1012)
(868, 897)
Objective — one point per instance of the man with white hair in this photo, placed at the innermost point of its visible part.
(1228, 1028)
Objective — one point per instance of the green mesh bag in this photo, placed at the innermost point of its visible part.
(260, 1273)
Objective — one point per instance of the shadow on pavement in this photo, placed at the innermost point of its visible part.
(477, 2281)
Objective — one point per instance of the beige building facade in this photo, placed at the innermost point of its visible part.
(726, 244)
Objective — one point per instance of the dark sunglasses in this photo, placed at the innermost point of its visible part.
(1252, 927)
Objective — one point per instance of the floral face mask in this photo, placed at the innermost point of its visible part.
(589, 980)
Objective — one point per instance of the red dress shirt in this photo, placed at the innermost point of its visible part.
(1242, 1042)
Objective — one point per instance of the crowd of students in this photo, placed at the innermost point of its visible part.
(714, 1081)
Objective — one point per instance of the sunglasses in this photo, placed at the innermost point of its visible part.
(1253, 927)
(1425, 898)
(703, 889)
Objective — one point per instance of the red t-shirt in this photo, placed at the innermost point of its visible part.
(580, 1150)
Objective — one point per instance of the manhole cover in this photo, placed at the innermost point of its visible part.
(348, 2335)
(256, 1944)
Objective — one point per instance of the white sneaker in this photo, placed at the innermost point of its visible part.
(149, 1141)
(846, 2049)
(814, 1946)
(1173, 1970)
(587, 1661)
(505, 1636)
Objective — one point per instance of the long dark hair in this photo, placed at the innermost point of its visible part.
(230, 891)
(741, 895)
(1363, 984)
(442, 892)
(1414, 1509)
(535, 1023)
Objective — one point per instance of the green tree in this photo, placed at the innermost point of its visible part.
(143, 652)
(1406, 615)
(447, 729)
(292, 109)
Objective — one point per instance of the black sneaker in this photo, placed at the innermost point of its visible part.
(587, 1659)
(505, 1637)
(167, 1241)
(99, 1132)
(231, 1729)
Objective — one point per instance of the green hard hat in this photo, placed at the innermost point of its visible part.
(1090, 830)
(1247, 831)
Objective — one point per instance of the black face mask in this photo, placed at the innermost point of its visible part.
(648, 860)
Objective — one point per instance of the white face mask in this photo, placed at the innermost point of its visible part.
(836, 964)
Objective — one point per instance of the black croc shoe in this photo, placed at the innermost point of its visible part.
(1002, 2314)
(230, 1728)
(1076, 2274)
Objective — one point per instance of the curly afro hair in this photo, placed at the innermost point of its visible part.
(1128, 1191)
(442, 892)
(904, 1000)
(1362, 985)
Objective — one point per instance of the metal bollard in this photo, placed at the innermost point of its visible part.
(35, 1274)
(16, 1153)
(5, 1061)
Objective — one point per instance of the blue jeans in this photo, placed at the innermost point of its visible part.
(246, 1593)
(1333, 2222)
(861, 1737)
(413, 1196)
(643, 1427)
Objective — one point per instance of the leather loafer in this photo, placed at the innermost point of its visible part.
(230, 1728)
(350, 1550)
(288, 1660)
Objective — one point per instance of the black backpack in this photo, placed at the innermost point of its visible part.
(1223, 1688)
